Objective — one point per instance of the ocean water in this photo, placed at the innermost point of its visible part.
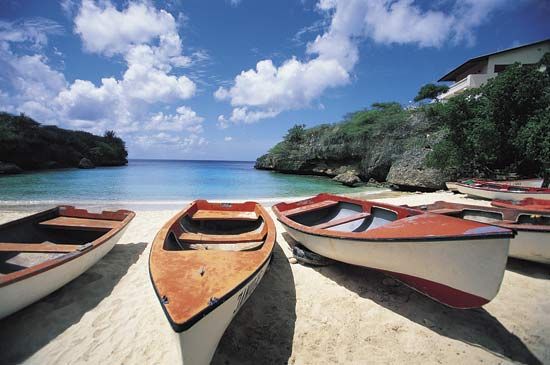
(160, 182)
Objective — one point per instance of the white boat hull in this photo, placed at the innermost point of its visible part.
(459, 273)
(199, 342)
(451, 186)
(503, 195)
(532, 246)
(22, 293)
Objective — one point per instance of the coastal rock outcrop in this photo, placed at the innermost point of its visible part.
(29, 145)
(367, 146)
(348, 178)
(7, 168)
(410, 172)
(85, 164)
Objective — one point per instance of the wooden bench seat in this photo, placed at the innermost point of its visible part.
(342, 220)
(38, 247)
(224, 215)
(310, 207)
(80, 224)
(222, 238)
(446, 211)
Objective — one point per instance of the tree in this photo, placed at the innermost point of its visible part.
(295, 134)
(503, 125)
(430, 91)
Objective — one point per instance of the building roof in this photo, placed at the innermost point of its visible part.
(452, 75)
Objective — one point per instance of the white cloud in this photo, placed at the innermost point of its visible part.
(163, 139)
(267, 90)
(228, 139)
(104, 29)
(144, 37)
(184, 119)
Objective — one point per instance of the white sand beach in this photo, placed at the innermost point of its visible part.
(337, 314)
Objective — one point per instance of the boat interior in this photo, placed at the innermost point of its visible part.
(487, 214)
(33, 240)
(228, 227)
(341, 216)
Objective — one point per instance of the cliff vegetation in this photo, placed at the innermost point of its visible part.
(26, 144)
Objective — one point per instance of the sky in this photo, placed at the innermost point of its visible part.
(225, 79)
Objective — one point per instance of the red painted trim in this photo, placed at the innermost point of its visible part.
(442, 293)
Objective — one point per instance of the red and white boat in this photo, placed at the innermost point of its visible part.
(456, 262)
(528, 183)
(532, 240)
(529, 205)
(492, 190)
(42, 252)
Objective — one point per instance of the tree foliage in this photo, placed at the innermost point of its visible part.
(430, 91)
(31, 145)
(503, 125)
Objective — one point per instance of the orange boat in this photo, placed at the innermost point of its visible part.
(456, 262)
(529, 205)
(205, 263)
(42, 252)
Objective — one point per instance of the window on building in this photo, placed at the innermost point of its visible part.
(500, 68)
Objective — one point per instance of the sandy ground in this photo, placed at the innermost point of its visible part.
(298, 314)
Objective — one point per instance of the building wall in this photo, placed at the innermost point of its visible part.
(531, 54)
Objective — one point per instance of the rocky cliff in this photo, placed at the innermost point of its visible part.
(385, 143)
(27, 145)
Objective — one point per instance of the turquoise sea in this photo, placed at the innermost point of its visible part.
(159, 182)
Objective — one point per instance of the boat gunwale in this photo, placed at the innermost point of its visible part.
(161, 237)
(508, 214)
(64, 258)
(362, 236)
(482, 186)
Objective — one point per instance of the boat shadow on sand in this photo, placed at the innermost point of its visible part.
(264, 327)
(473, 326)
(30, 329)
(527, 268)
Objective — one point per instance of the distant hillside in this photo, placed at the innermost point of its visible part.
(502, 127)
(30, 145)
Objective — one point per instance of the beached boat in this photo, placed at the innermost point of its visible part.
(529, 205)
(491, 191)
(456, 262)
(532, 240)
(205, 263)
(529, 183)
(42, 252)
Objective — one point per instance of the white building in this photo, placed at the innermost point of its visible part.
(476, 71)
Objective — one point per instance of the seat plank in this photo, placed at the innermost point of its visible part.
(224, 215)
(446, 211)
(222, 238)
(310, 207)
(342, 220)
(80, 224)
(38, 247)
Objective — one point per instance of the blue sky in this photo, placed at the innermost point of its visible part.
(225, 79)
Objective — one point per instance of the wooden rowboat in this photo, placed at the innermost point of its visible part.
(205, 263)
(532, 240)
(529, 205)
(491, 191)
(456, 262)
(42, 252)
(529, 183)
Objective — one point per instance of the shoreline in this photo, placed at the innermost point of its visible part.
(156, 205)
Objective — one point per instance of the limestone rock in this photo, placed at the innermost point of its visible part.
(348, 178)
(8, 168)
(85, 164)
